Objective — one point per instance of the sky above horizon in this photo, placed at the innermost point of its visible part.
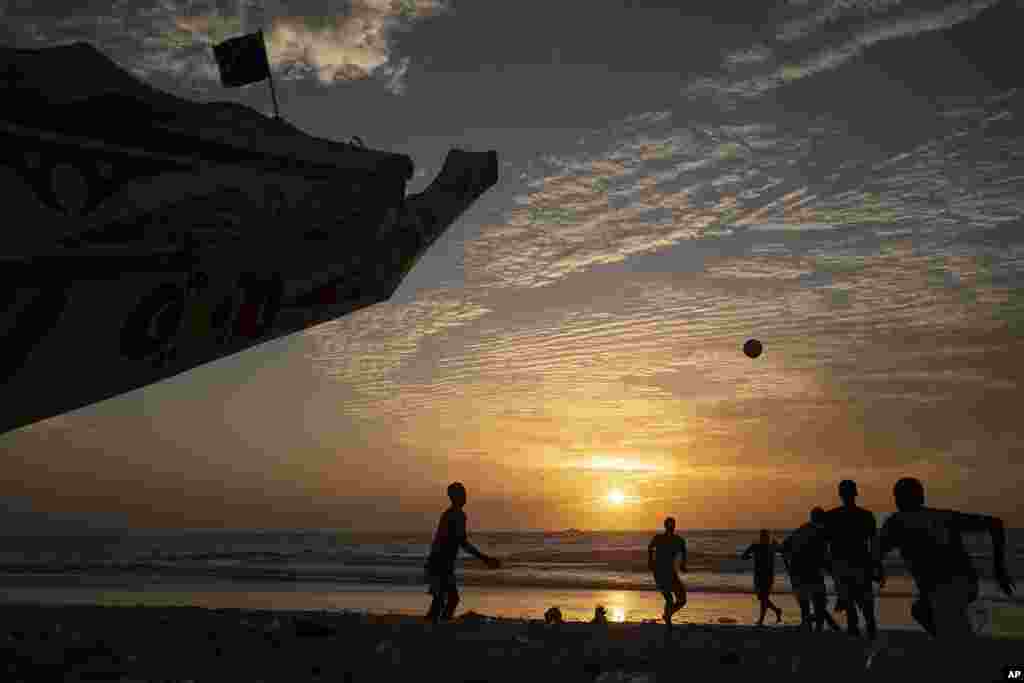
(842, 180)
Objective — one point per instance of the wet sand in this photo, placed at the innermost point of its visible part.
(194, 644)
(498, 601)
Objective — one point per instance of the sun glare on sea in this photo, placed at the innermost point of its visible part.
(616, 497)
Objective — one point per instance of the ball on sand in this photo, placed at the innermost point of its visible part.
(752, 348)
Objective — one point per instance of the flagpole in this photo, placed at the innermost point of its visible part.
(270, 78)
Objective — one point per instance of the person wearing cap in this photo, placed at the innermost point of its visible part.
(850, 532)
(932, 548)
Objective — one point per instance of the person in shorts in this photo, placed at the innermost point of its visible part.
(931, 545)
(804, 554)
(440, 568)
(763, 553)
(661, 555)
(850, 532)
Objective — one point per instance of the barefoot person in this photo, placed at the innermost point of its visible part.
(440, 568)
(932, 548)
(764, 573)
(661, 555)
(804, 554)
(850, 532)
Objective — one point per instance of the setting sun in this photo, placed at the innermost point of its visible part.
(616, 497)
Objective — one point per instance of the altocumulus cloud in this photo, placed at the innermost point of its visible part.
(173, 38)
(827, 265)
(348, 46)
(369, 348)
(823, 39)
(658, 185)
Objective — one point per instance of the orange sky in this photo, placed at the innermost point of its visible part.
(579, 331)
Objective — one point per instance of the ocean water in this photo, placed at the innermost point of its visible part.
(328, 569)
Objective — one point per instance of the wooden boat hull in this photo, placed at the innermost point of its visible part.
(130, 263)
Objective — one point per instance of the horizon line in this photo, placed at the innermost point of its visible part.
(62, 530)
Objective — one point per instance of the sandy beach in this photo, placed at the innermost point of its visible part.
(78, 643)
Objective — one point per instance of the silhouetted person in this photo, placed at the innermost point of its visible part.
(764, 573)
(851, 532)
(600, 616)
(804, 552)
(932, 548)
(661, 555)
(451, 535)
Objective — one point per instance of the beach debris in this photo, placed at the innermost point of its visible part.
(388, 649)
(310, 628)
(726, 620)
(528, 643)
(478, 635)
(553, 616)
(874, 649)
(473, 617)
(625, 677)
(596, 647)
(600, 615)
(701, 639)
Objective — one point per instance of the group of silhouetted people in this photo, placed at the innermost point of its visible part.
(844, 542)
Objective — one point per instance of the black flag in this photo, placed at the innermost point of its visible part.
(242, 60)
